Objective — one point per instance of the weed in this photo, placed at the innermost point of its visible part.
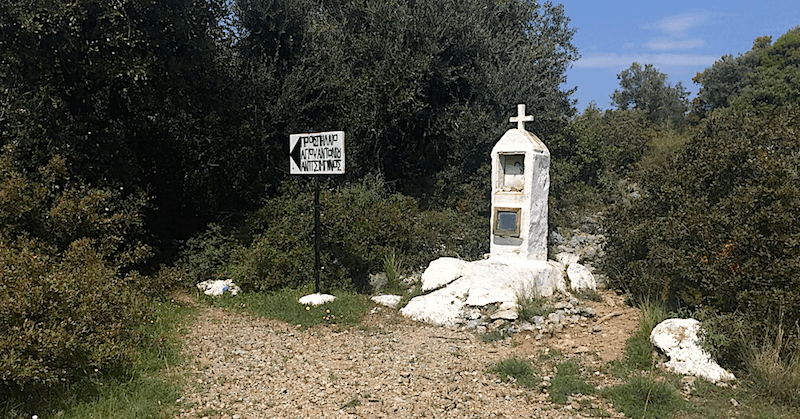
(773, 376)
(530, 304)
(516, 370)
(589, 294)
(638, 349)
(550, 354)
(646, 398)
(568, 381)
(355, 401)
(393, 266)
(493, 336)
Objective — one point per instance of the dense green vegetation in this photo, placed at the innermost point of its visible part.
(715, 230)
(139, 132)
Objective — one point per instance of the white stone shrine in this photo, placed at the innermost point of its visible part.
(520, 186)
(518, 258)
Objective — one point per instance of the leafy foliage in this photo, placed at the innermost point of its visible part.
(726, 79)
(716, 226)
(422, 88)
(517, 370)
(68, 297)
(363, 224)
(647, 89)
(131, 96)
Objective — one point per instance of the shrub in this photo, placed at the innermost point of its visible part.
(716, 226)
(69, 302)
(62, 315)
(568, 381)
(646, 398)
(363, 224)
(517, 370)
(207, 254)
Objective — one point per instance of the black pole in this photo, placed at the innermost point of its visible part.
(316, 232)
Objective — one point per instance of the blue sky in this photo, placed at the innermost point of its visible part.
(681, 38)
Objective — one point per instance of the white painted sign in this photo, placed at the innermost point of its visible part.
(321, 153)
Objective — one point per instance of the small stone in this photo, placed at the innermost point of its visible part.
(597, 328)
(575, 406)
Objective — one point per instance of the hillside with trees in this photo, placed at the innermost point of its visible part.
(144, 148)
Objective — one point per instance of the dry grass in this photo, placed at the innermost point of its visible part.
(775, 376)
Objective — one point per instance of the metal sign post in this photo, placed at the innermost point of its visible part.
(317, 154)
(317, 234)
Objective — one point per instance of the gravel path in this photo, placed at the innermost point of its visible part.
(388, 367)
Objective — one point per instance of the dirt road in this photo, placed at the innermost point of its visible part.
(387, 367)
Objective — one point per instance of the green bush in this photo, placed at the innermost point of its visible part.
(207, 254)
(568, 381)
(717, 226)
(62, 315)
(517, 370)
(69, 302)
(716, 230)
(646, 398)
(362, 225)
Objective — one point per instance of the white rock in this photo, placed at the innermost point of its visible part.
(441, 272)
(218, 287)
(316, 299)
(506, 311)
(567, 258)
(677, 338)
(442, 307)
(580, 277)
(387, 300)
(485, 282)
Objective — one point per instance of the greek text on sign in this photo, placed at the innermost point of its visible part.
(317, 154)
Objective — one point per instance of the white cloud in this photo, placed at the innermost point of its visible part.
(661, 44)
(621, 62)
(678, 25)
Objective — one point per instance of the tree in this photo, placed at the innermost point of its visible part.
(421, 87)
(132, 96)
(716, 229)
(647, 89)
(726, 78)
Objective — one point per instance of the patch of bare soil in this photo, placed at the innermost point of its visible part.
(388, 367)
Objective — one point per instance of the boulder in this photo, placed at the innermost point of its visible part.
(387, 300)
(480, 283)
(566, 258)
(580, 277)
(678, 339)
(441, 272)
(218, 287)
(316, 299)
(441, 307)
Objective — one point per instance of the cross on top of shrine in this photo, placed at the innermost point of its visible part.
(521, 118)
